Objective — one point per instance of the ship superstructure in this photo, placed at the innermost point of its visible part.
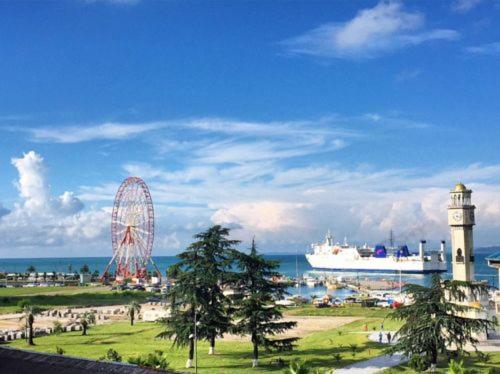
(345, 256)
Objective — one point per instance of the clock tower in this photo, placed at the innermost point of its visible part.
(461, 220)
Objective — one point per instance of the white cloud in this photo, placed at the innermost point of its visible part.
(77, 134)
(463, 6)
(407, 74)
(491, 49)
(261, 216)
(41, 220)
(372, 32)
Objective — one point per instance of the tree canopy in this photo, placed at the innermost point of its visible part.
(436, 320)
(256, 313)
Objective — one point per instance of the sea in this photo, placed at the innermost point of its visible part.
(291, 265)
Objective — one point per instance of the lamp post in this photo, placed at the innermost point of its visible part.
(195, 343)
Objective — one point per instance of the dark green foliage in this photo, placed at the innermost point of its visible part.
(256, 314)
(22, 303)
(432, 323)
(30, 269)
(418, 363)
(156, 360)
(87, 320)
(60, 351)
(203, 269)
(133, 310)
(57, 327)
(111, 355)
(85, 269)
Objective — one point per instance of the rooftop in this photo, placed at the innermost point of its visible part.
(28, 362)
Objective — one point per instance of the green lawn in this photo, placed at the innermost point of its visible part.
(67, 296)
(346, 311)
(20, 291)
(316, 348)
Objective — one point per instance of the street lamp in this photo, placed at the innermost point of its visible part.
(195, 338)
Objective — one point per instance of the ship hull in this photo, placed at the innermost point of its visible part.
(374, 264)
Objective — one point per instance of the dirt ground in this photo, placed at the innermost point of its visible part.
(305, 326)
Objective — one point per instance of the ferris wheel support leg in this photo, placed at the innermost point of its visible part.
(157, 269)
(108, 266)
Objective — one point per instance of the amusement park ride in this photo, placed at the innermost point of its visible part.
(132, 232)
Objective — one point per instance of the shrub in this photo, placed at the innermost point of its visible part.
(59, 350)
(418, 363)
(457, 367)
(22, 303)
(57, 327)
(297, 367)
(338, 358)
(156, 360)
(111, 355)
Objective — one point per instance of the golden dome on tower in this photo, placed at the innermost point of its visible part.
(460, 187)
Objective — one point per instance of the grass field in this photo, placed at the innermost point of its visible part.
(49, 297)
(70, 290)
(317, 349)
(348, 311)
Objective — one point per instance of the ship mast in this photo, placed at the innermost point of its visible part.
(391, 238)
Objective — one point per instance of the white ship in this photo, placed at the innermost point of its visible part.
(328, 255)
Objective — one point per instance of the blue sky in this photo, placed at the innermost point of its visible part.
(281, 119)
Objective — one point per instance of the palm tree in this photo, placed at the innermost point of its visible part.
(87, 320)
(132, 309)
(29, 312)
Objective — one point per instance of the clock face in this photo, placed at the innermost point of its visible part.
(457, 216)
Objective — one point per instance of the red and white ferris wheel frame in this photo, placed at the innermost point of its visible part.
(132, 230)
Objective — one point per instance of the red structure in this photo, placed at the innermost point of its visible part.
(132, 231)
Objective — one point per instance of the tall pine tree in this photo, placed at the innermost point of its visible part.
(432, 323)
(201, 273)
(256, 313)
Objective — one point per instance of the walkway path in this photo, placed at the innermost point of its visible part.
(373, 365)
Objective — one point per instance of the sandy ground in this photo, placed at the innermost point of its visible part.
(13, 321)
(305, 326)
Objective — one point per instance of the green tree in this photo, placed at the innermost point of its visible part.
(256, 313)
(197, 297)
(133, 310)
(432, 322)
(29, 311)
(31, 269)
(87, 320)
(85, 269)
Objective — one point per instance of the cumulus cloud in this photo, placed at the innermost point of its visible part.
(372, 32)
(41, 220)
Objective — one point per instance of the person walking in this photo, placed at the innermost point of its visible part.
(380, 337)
(389, 337)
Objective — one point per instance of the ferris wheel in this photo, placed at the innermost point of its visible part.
(132, 230)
